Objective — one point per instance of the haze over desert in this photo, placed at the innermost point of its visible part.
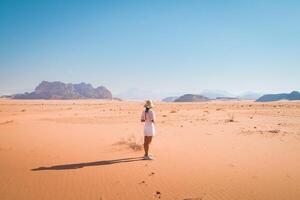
(91, 149)
(149, 100)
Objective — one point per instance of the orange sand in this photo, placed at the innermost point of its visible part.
(51, 150)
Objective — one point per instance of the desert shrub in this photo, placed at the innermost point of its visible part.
(132, 143)
(274, 131)
(230, 118)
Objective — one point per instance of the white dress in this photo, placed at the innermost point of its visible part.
(148, 117)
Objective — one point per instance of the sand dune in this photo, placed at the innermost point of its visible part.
(89, 149)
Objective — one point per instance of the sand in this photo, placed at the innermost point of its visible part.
(91, 149)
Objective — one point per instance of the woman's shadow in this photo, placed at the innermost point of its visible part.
(88, 164)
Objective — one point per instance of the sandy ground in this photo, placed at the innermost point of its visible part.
(90, 149)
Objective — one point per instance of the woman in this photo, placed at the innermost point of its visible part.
(148, 117)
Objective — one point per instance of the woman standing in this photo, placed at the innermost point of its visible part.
(148, 117)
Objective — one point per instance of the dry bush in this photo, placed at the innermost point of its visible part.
(173, 111)
(274, 131)
(132, 143)
(230, 118)
(251, 117)
(136, 147)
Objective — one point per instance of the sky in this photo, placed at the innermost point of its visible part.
(152, 45)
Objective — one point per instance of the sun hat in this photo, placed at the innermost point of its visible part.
(148, 104)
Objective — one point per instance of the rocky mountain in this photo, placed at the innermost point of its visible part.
(60, 90)
(276, 97)
(191, 98)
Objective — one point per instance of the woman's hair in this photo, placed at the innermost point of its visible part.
(147, 109)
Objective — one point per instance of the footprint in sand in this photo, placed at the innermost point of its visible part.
(143, 183)
(7, 122)
(151, 174)
(157, 194)
(231, 165)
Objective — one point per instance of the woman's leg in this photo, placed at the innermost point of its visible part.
(146, 145)
(147, 141)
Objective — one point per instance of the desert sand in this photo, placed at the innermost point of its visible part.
(91, 149)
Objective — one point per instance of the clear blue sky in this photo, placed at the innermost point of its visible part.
(152, 45)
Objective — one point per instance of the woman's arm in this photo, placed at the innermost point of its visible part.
(143, 116)
(153, 118)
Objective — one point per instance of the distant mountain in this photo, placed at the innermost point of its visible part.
(139, 94)
(276, 97)
(136, 94)
(169, 99)
(227, 98)
(117, 99)
(216, 94)
(60, 90)
(250, 95)
(213, 94)
(191, 98)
